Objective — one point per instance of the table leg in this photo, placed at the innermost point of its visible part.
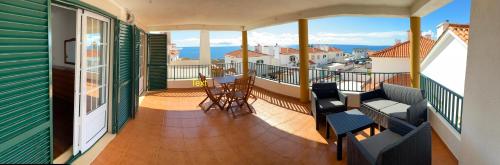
(339, 148)
(327, 130)
(372, 130)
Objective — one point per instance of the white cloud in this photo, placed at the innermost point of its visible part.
(266, 38)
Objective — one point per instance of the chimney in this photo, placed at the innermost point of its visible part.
(442, 27)
(428, 36)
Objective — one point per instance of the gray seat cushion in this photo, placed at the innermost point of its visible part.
(330, 103)
(397, 110)
(376, 143)
(379, 103)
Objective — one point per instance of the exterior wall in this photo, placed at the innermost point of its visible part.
(285, 59)
(444, 130)
(390, 64)
(480, 128)
(446, 63)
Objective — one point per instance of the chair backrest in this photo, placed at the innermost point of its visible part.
(325, 90)
(231, 71)
(402, 94)
(207, 90)
(216, 71)
(413, 148)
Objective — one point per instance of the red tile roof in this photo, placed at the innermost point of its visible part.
(238, 54)
(461, 30)
(333, 49)
(315, 50)
(402, 50)
(288, 51)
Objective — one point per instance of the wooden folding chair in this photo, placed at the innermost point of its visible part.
(239, 93)
(230, 71)
(214, 94)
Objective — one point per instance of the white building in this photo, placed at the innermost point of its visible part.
(359, 53)
(173, 53)
(253, 56)
(446, 62)
(283, 56)
(397, 58)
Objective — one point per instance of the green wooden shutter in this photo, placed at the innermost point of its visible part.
(123, 71)
(157, 63)
(25, 100)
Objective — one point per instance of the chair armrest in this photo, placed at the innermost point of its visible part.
(417, 113)
(371, 95)
(356, 153)
(314, 103)
(342, 97)
(399, 126)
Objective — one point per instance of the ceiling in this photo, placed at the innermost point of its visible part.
(162, 15)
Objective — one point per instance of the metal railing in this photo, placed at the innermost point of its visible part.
(446, 102)
(346, 81)
(176, 72)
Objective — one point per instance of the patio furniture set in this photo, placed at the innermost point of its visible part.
(229, 91)
(399, 112)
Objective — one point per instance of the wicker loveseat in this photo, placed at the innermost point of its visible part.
(405, 103)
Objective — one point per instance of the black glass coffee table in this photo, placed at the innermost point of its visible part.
(348, 121)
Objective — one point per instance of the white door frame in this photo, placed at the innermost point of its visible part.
(79, 106)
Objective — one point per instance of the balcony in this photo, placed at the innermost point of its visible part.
(170, 127)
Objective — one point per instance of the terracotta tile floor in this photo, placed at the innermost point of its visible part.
(171, 129)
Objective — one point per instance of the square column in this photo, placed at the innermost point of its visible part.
(415, 35)
(204, 47)
(244, 52)
(304, 60)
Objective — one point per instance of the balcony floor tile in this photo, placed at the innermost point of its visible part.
(170, 128)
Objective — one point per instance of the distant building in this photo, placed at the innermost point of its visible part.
(359, 53)
(173, 53)
(396, 58)
(283, 56)
(253, 56)
(446, 61)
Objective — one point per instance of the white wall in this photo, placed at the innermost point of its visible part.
(446, 63)
(63, 28)
(390, 64)
(481, 116)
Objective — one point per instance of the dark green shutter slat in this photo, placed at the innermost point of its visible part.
(25, 106)
(157, 63)
(123, 96)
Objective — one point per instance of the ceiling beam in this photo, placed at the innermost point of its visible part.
(421, 8)
(196, 27)
(335, 10)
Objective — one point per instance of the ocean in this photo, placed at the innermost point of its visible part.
(219, 52)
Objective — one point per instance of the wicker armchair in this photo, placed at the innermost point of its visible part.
(326, 98)
(402, 143)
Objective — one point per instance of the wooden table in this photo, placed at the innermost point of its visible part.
(224, 80)
(348, 121)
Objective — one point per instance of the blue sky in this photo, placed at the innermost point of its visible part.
(336, 30)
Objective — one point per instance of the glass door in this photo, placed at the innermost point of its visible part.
(93, 70)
